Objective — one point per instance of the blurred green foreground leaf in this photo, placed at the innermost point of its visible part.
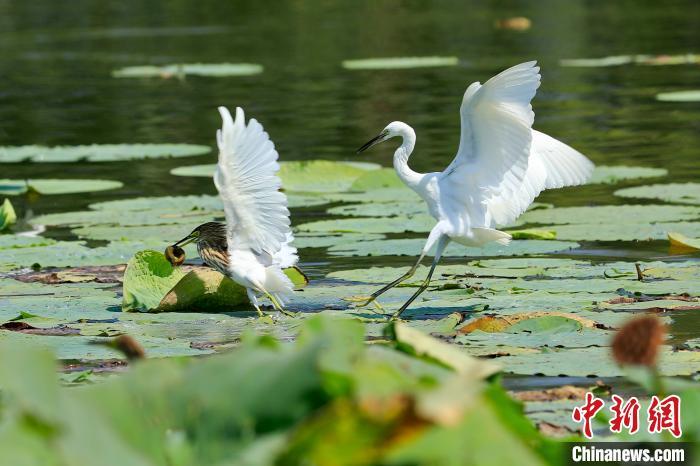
(326, 399)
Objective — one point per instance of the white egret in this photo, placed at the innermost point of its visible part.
(501, 165)
(254, 245)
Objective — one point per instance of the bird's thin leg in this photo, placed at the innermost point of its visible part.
(277, 305)
(254, 301)
(442, 244)
(391, 285)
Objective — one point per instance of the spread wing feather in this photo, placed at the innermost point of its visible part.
(256, 211)
(501, 154)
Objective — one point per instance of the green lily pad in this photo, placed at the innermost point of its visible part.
(614, 174)
(147, 278)
(624, 231)
(7, 215)
(616, 60)
(399, 224)
(69, 253)
(56, 186)
(611, 215)
(682, 193)
(398, 63)
(412, 247)
(639, 59)
(382, 178)
(216, 70)
(17, 241)
(99, 152)
(679, 96)
(317, 176)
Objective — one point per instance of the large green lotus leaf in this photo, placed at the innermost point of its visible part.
(398, 63)
(631, 214)
(679, 96)
(380, 195)
(93, 218)
(412, 247)
(325, 240)
(303, 176)
(402, 224)
(382, 209)
(158, 235)
(87, 347)
(624, 231)
(147, 278)
(67, 302)
(593, 361)
(215, 70)
(7, 215)
(17, 241)
(99, 152)
(169, 203)
(71, 254)
(382, 178)
(682, 193)
(614, 174)
(556, 412)
(56, 186)
(321, 175)
(639, 59)
(205, 170)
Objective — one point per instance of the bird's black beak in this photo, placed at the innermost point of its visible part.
(186, 240)
(372, 142)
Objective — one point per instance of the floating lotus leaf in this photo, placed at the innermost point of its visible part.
(615, 174)
(624, 231)
(402, 224)
(56, 186)
(302, 176)
(114, 217)
(397, 63)
(147, 278)
(680, 241)
(7, 215)
(98, 152)
(679, 96)
(528, 322)
(215, 70)
(617, 60)
(592, 361)
(611, 215)
(17, 241)
(403, 208)
(325, 240)
(382, 178)
(682, 193)
(70, 253)
(412, 247)
(152, 283)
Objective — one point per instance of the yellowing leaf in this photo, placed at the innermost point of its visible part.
(680, 241)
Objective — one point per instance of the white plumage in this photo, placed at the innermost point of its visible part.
(501, 165)
(257, 219)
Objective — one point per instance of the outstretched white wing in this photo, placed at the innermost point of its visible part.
(256, 211)
(501, 154)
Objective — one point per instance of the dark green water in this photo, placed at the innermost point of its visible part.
(56, 59)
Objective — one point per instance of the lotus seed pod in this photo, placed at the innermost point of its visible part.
(637, 342)
(175, 255)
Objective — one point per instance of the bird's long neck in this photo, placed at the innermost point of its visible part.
(401, 156)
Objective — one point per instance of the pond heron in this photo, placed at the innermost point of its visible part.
(254, 244)
(501, 165)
